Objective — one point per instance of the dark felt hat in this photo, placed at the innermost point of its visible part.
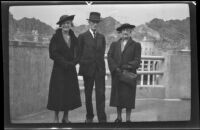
(123, 26)
(64, 18)
(95, 16)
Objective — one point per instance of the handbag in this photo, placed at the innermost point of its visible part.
(128, 77)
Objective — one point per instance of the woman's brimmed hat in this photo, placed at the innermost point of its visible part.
(64, 18)
(95, 16)
(124, 26)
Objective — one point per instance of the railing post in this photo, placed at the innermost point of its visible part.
(142, 76)
(148, 68)
(153, 79)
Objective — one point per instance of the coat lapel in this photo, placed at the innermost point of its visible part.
(118, 49)
(98, 43)
(90, 38)
(89, 34)
(63, 41)
(64, 44)
(127, 44)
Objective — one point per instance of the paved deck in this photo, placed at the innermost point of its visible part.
(146, 110)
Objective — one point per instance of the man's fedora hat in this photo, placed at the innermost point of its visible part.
(64, 18)
(123, 26)
(95, 16)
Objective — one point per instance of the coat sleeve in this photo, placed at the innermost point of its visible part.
(111, 63)
(76, 51)
(80, 48)
(135, 63)
(104, 44)
(56, 56)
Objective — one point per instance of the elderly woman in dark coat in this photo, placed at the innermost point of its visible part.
(124, 54)
(64, 93)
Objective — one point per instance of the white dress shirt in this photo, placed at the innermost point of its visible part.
(91, 32)
(123, 44)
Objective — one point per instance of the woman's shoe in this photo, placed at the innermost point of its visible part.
(63, 121)
(128, 121)
(56, 121)
(89, 121)
(118, 120)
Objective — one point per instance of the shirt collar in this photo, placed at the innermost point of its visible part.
(91, 32)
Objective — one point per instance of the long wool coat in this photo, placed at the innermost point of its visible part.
(64, 93)
(123, 95)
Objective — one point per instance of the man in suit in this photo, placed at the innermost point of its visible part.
(92, 67)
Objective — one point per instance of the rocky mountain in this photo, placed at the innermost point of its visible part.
(175, 34)
(25, 26)
(142, 31)
(12, 26)
(172, 34)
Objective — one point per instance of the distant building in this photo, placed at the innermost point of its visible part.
(148, 47)
(35, 35)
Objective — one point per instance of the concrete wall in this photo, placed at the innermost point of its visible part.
(29, 75)
(177, 75)
(30, 70)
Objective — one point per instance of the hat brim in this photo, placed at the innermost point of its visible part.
(71, 17)
(125, 27)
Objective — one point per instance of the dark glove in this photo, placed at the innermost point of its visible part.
(126, 66)
(118, 71)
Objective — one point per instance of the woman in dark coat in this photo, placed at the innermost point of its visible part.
(124, 54)
(64, 93)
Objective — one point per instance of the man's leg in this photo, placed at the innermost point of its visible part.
(100, 97)
(88, 84)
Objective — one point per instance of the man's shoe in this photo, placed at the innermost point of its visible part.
(102, 121)
(63, 121)
(118, 120)
(89, 121)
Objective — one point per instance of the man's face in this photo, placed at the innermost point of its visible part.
(93, 24)
(126, 33)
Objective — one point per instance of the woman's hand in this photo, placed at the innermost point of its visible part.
(118, 71)
(126, 66)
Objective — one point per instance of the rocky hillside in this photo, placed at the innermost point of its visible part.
(175, 34)
(172, 34)
(26, 25)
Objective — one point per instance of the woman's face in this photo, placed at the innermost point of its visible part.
(66, 26)
(126, 33)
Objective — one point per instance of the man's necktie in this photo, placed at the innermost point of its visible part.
(94, 33)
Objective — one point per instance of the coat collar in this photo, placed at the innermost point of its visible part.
(90, 33)
(129, 42)
(62, 41)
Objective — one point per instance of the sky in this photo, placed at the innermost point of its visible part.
(136, 14)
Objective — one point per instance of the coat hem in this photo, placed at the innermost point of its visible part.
(63, 109)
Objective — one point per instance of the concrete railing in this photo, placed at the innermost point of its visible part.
(149, 71)
(30, 69)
